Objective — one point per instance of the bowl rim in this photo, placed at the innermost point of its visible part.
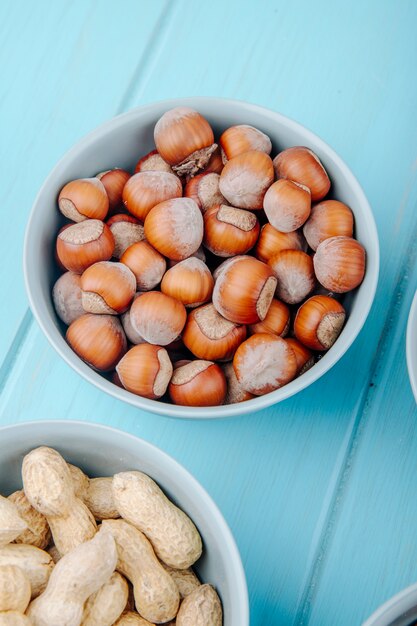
(394, 608)
(59, 344)
(181, 475)
(411, 346)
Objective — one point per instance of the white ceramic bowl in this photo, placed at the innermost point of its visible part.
(411, 346)
(102, 451)
(401, 610)
(120, 142)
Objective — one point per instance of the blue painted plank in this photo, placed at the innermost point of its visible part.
(66, 67)
(372, 544)
(263, 470)
(276, 474)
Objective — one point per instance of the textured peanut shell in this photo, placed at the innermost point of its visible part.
(47, 482)
(80, 481)
(173, 535)
(14, 618)
(73, 529)
(156, 595)
(133, 619)
(107, 604)
(201, 608)
(76, 576)
(14, 589)
(185, 579)
(11, 523)
(36, 564)
(49, 487)
(37, 532)
(99, 499)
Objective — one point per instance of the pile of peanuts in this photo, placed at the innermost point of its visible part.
(183, 280)
(76, 551)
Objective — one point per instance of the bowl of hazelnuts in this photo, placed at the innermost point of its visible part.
(199, 253)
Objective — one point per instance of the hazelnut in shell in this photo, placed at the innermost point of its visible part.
(114, 181)
(66, 296)
(153, 162)
(303, 166)
(210, 336)
(215, 163)
(175, 228)
(242, 138)
(107, 288)
(204, 190)
(145, 190)
(263, 363)
(145, 370)
(244, 290)
(146, 263)
(84, 198)
(287, 205)
(339, 264)
(126, 230)
(318, 322)
(189, 281)
(229, 231)
(198, 383)
(295, 275)
(305, 358)
(98, 340)
(185, 140)
(271, 241)
(245, 179)
(132, 335)
(158, 318)
(235, 392)
(277, 320)
(80, 245)
(329, 218)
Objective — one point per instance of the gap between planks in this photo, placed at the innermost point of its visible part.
(149, 58)
(344, 466)
(16, 346)
(131, 97)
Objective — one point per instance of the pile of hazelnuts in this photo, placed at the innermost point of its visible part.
(213, 273)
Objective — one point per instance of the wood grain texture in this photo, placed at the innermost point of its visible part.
(370, 543)
(320, 491)
(66, 67)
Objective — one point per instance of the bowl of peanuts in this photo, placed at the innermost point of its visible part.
(100, 528)
(199, 253)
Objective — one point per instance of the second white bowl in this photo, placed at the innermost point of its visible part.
(401, 610)
(411, 346)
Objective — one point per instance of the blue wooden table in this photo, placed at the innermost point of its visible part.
(321, 490)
